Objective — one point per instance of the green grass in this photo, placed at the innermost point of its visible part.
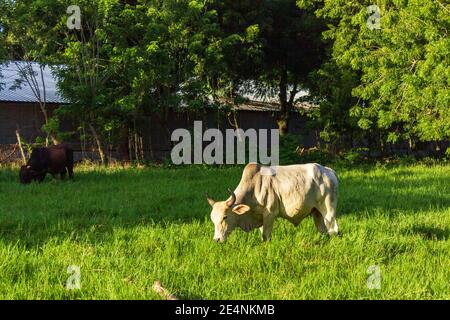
(126, 228)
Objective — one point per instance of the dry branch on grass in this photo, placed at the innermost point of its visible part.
(159, 289)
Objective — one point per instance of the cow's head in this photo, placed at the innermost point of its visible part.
(224, 215)
(25, 174)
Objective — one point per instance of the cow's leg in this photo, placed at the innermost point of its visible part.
(330, 217)
(267, 227)
(319, 221)
(69, 162)
(40, 177)
(63, 173)
(70, 170)
(328, 211)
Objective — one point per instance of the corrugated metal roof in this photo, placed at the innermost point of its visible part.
(12, 74)
(252, 105)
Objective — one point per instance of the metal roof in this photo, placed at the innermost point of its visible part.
(11, 72)
(14, 87)
(252, 105)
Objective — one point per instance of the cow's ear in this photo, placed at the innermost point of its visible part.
(210, 200)
(241, 208)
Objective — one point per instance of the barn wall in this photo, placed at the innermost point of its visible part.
(156, 136)
(26, 117)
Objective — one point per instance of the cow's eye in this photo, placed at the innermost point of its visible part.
(225, 217)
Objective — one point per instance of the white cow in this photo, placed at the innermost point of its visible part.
(291, 192)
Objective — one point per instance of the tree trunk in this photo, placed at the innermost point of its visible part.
(141, 148)
(83, 142)
(282, 123)
(123, 148)
(99, 144)
(286, 103)
(136, 146)
(19, 142)
(283, 116)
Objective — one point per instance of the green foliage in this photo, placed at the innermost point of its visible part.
(272, 46)
(318, 155)
(132, 59)
(52, 127)
(127, 59)
(355, 155)
(404, 66)
(4, 8)
(289, 145)
(332, 88)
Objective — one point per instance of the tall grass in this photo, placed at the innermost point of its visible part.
(127, 227)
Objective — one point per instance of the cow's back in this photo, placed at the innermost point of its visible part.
(59, 158)
(52, 159)
(39, 159)
(293, 190)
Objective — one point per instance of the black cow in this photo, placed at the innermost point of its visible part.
(57, 159)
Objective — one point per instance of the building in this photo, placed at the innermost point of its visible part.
(19, 102)
(22, 94)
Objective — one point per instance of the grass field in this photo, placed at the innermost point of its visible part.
(125, 228)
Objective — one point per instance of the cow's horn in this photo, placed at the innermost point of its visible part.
(210, 200)
(232, 200)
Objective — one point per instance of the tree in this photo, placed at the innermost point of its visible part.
(22, 39)
(293, 49)
(4, 8)
(285, 47)
(331, 88)
(129, 59)
(404, 67)
(163, 58)
(85, 73)
(33, 75)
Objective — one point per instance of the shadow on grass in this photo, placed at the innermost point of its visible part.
(95, 205)
(430, 233)
(99, 202)
(404, 192)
